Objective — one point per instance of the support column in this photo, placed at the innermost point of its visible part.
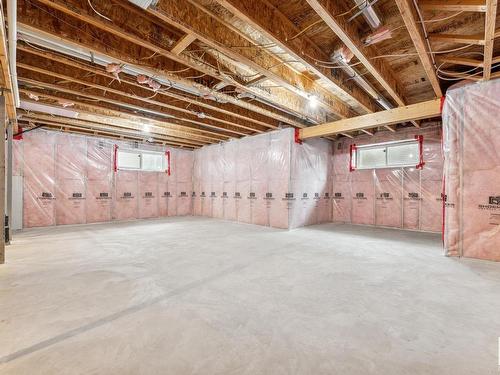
(3, 120)
(10, 129)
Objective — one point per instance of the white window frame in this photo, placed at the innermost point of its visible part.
(140, 153)
(355, 156)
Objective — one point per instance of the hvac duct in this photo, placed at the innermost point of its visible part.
(338, 58)
(144, 4)
(366, 8)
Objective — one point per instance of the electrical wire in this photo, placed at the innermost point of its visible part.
(441, 19)
(99, 14)
(321, 20)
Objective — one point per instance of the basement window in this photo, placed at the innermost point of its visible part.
(396, 154)
(141, 160)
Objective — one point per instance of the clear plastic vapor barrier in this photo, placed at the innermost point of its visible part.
(385, 194)
(73, 179)
(472, 170)
(265, 180)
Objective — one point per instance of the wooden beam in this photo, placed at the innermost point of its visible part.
(191, 17)
(368, 132)
(489, 37)
(464, 61)
(96, 130)
(288, 102)
(112, 123)
(269, 21)
(348, 34)
(10, 104)
(429, 109)
(257, 80)
(40, 89)
(3, 123)
(179, 102)
(183, 43)
(476, 39)
(407, 11)
(107, 89)
(453, 5)
(456, 60)
(132, 122)
(67, 122)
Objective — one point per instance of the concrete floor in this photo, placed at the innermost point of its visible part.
(200, 296)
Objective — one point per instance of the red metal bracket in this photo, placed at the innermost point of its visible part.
(352, 150)
(167, 154)
(297, 136)
(443, 99)
(115, 158)
(421, 163)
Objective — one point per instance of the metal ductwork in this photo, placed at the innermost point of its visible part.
(339, 59)
(369, 13)
(144, 4)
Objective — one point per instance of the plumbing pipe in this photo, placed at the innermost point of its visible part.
(12, 40)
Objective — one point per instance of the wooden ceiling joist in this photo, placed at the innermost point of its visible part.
(180, 101)
(217, 34)
(286, 100)
(408, 11)
(183, 43)
(489, 37)
(36, 116)
(128, 100)
(6, 81)
(93, 108)
(119, 54)
(429, 109)
(269, 21)
(97, 130)
(477, 39)
(348, 34)
(453, 5)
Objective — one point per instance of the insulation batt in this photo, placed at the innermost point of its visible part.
(472, 170)
(69, 179)
(404, 198)
(267, 180)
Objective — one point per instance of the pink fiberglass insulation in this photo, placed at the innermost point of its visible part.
(99, 159)
(148, 194)
(363, 198)
(71, 201)
(71, 157)
(472, 170)
(388, 198)
(17, 157)
(99, 199)
(183, 200)
(39, 184)
(172, 199)
(70, 179)
(394, 197)
(163, 193)
(412, 198)
(256, 173)
(126, 190)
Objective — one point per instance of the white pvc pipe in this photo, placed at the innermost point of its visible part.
(12, 40)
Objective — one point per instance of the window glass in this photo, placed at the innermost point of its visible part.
(387, 155)
(129, 160)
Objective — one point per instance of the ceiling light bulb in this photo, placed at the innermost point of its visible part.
(313, 101)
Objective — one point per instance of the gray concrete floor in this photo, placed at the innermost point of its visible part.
(200, 296)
